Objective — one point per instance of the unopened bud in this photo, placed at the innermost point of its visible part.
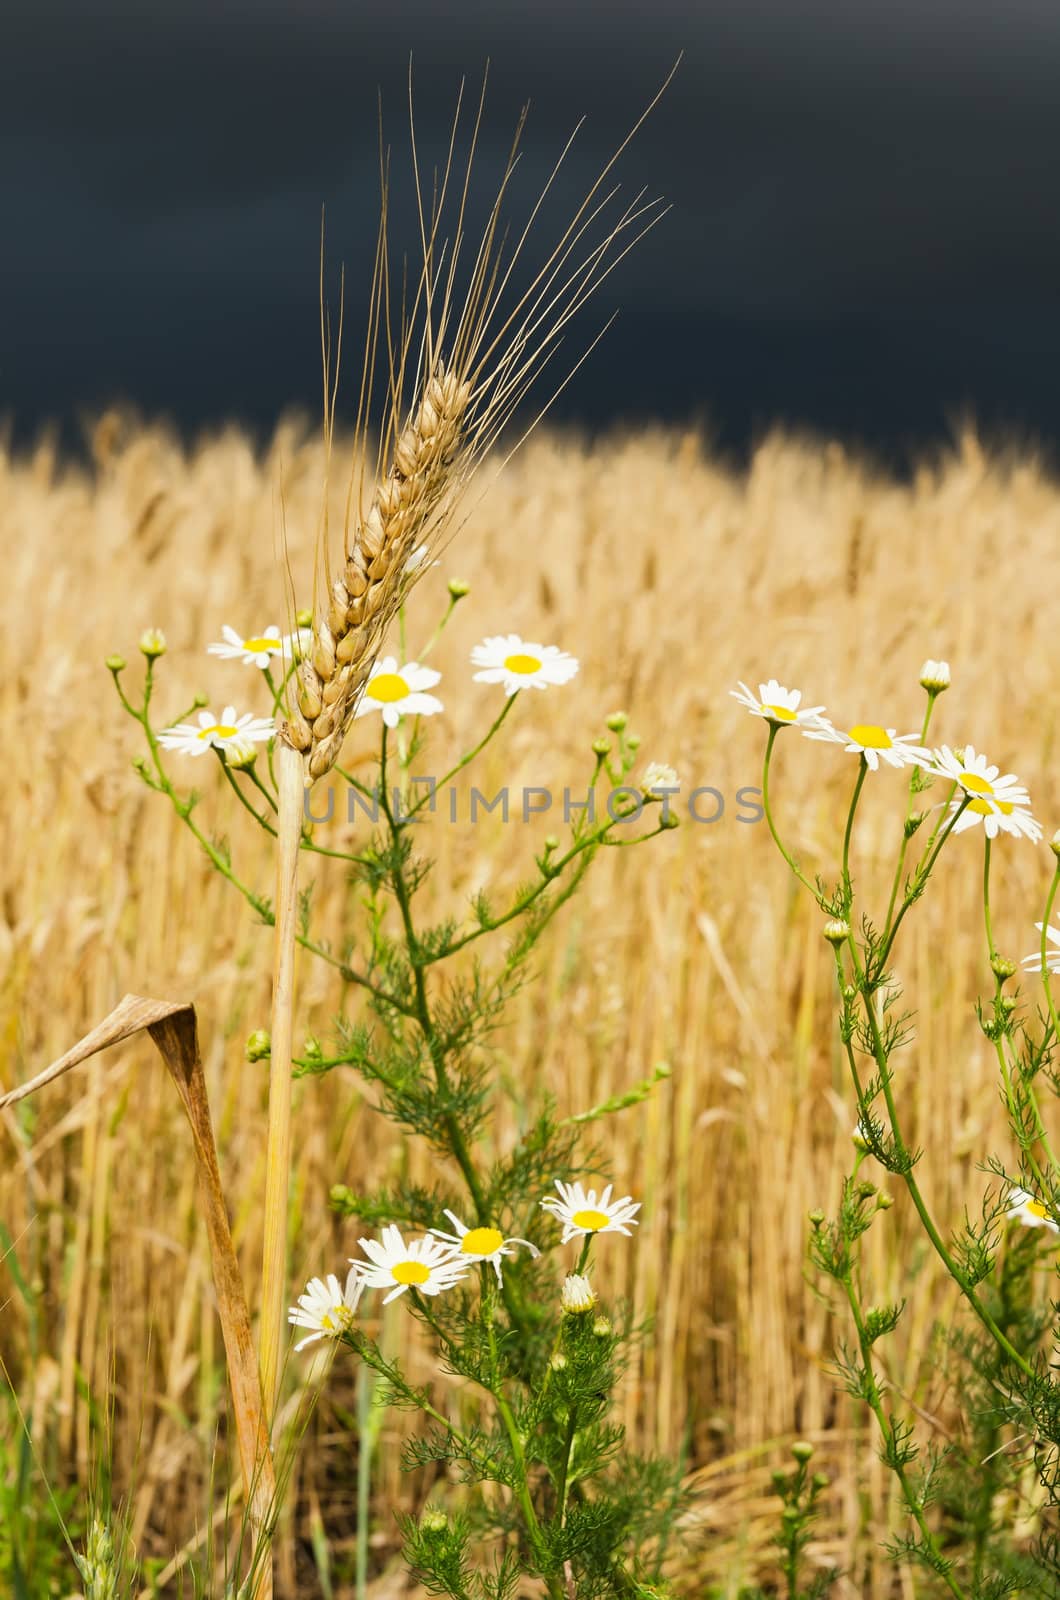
(1008, 1004)
(577, 1295)
(241, 754)
(303, 619)
(633, 741)
(458, 589)
(817, 1219)
(616, 721)
(601, 747)
(819, 1481)
(433, 1521)
(1002, 969)
(115, 663)
(802, 1450)
(884, 1202)
(602, 1328)
(935, 676)
(558, 1362)
(153, 643)
(1054, 844)
(913, 823)
(551, 841)
(312, 1049)
(258, 1046)
(836, 930)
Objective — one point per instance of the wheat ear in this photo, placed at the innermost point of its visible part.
(365, 595)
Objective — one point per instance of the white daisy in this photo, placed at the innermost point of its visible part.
(776, 704)
(582, 1213)
(221, 732)
(935, 676)
(326, 1307)
(1033, 963)
(1001, 804)
(509, 660)
(399, 692)
(1023, 1207)
(876, 744)
(255, 651)
(480, 1244)
(423, 1264)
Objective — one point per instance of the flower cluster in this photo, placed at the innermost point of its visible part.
(441, 1259)
(1000, 803)
(394, 691)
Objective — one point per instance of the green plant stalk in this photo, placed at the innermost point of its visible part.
(876, 1406)
(932, 695)
(774, 729)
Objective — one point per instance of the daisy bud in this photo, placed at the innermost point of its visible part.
(259, 1046)
(1002, 969)
(602, 1328)
(1054, 844)
(802, 1450)
(820, 1481)
(241, 755)
(1008, 1004)
(859, 1139)
(577, 1295)
(884, 1202)
(668, 820)
(303, 619)
(115, 663)
(458, 589)
(153, 643)
(935, 676)
(616, 721)
(601, 747)
(816, 1219)
(837, 930)
(634, 741)
(551, 841)
(312, 1050)
(433, 1521)
(914, 822)
(558, 1362)
(657, 780)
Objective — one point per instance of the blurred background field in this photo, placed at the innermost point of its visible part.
(670, 577)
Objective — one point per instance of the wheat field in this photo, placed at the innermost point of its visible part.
(670, 576)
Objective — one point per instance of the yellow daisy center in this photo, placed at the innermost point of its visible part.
(522, 664)
(261, 645)
(481, 1242)
(975, 784)
(1036, 1209)
(591, 1221)
(870, 737)
(223, 730)
(987, 808)
(388, 687)
(413, 1272)
(780, 713)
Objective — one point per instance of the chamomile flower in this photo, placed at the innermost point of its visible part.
(577, 1295)
(1001, 804)
(777, 704)
(398, 692)
(222, 733)
(876, 744)
(1033, 963)
(511, 661)
(1023, 1207)
(582, 1213)
(426, 1265)
(658, 779)
(256, 650)
(326, 1308)
(480, 1244)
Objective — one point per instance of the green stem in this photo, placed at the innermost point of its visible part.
(774, 729)
(855, 797)
(1046, 980)
(876, 1406)
(932, 695)
(466, 760)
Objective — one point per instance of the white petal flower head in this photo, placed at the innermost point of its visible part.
(1033, 963)
(861, 1139)
(326, 1308)
(1000, 803)
(257, 650)
(426, 1265)
(220, 733)
(777, 704)
(511, 661)
(1023, 1207)
(582, 1213)
(935, 676)
(577, 1295)
(480, 1245)
(876, 744)
(658, 781)
(398, 691)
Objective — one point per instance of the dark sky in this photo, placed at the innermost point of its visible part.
(865, 233)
